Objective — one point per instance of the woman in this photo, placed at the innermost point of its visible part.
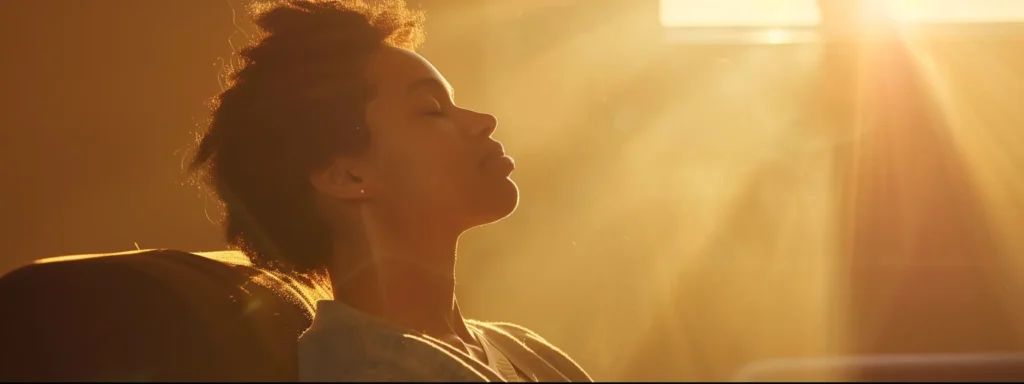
(339, 152)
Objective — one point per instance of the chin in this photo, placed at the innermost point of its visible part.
(498, 203)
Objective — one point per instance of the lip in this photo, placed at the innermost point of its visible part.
(495, 152)
(495, 159)
(504, 163)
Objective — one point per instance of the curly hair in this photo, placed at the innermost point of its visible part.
(296, 98)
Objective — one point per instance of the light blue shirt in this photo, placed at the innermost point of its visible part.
(343, 344)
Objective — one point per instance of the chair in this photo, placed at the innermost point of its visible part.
(150, 315)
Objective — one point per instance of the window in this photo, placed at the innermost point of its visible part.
(804, 13)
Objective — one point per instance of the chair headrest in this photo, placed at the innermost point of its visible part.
(151, 315)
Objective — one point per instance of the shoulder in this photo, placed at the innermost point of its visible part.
(543, 348)
(518, 331)
(336, 352)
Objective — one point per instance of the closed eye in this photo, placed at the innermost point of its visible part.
(435, 110)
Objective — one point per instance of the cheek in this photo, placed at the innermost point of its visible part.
(425, 165)
(426, 182)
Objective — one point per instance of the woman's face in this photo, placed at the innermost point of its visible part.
(430, 159)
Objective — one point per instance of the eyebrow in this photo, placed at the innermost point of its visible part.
(432, 84)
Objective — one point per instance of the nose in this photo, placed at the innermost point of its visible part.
(484, 124)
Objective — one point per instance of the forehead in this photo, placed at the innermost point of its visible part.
(393, 70)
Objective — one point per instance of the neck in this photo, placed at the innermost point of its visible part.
(404, 277)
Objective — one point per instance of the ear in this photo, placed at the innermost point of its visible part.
(342, 179)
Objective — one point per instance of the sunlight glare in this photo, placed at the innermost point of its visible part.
(777, 36)
(797, 13)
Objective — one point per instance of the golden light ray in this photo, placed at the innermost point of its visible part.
(982, 109)
(689, 142)
(712, 212)
(788, 13)
(590, 63)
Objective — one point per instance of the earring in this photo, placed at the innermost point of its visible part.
(362, 191)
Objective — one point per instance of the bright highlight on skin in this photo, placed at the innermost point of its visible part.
(796, 13)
